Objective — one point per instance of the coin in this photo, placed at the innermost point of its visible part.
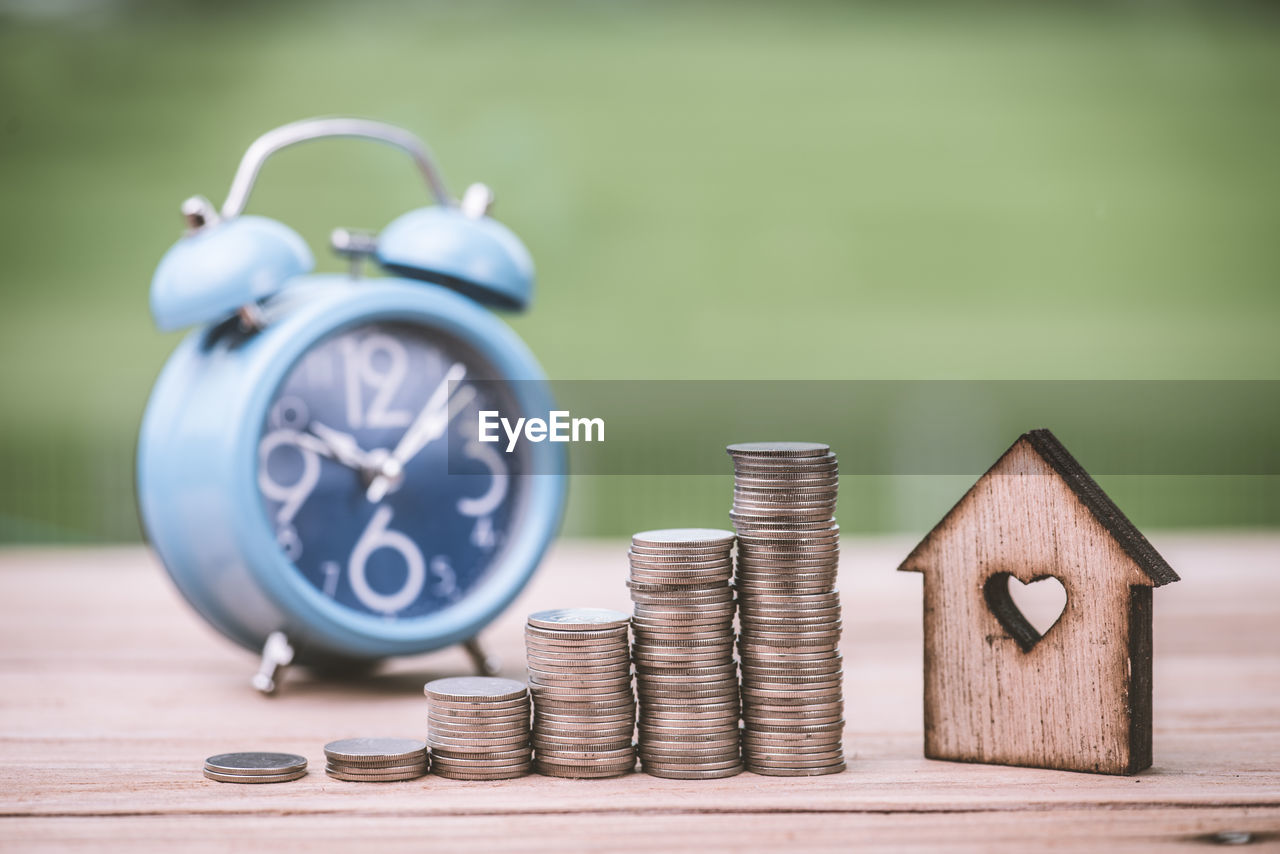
(584, 772)
(520, 752)
(815, 586)
(756, 738)
(778, 450)
(773, 453)
(683, 572)
(676, 657)
(254, 778)
(603, 723)
(775, 771)
(677, 773)
(648, 616)
(813, 467)
(607, 653)
(541, 639)
(778, 549)
(800, 606)
(721, 575)
(783, 504)
(786, 480)
(255, 764)
(457, 718)
(700, 762)
(704, 552)
(680, 559)
(478, 715)
(817, 467)
(484, 775)
(687, 704)
(800, 620)
(376, 751)
(592, 669)
(660, 601)
(478, 745)
(387, 775)
(695, 674)
(648, 587)
(681, 538)
(467, 688)
(578, 618)
(743, 517)
(440, 735)
(450, 708)
(577, 639)
(691, 752)
(768, 526)
(806, 671)
(483, 764)
(584, 750)
(682, 625)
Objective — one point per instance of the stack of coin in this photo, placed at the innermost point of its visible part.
(784, 499)
(376, 760)
(686, 676)
(584, 713)
(255, 767)
(478, 728)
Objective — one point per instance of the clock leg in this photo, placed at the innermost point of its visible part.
(276, 655)
(485, 664)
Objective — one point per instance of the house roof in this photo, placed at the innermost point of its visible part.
(1128, 537)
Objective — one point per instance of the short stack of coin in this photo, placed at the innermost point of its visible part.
(686, 675)
(584, 712)
(255, 767)
(784, 500)
(478, 728)
(376, 760)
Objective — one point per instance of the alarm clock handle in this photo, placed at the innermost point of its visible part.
(308, 129)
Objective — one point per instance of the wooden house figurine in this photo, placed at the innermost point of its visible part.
(1077, 697)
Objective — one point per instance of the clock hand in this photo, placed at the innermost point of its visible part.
(430, 425)
(341, 447)
(391, 469)
(435, 428)
(424, 423)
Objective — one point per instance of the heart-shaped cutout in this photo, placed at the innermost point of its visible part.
(1026, 611)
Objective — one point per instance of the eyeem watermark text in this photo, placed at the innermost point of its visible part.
(559, 426)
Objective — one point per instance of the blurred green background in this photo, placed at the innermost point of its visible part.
(730, 191)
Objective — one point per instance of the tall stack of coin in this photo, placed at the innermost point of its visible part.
(376, 760)
(584, 712)
(784, 499)
(686, 676)
(478, 728)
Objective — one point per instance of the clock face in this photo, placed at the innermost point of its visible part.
(355, 479)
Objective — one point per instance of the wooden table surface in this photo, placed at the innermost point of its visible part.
(112, 693)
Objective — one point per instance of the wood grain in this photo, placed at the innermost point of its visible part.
(112, 693)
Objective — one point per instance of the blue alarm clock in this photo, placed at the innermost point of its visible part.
(309, 470)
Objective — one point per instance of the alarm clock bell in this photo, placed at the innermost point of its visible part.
(221, 267)
(228, 263)
(461, 248)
